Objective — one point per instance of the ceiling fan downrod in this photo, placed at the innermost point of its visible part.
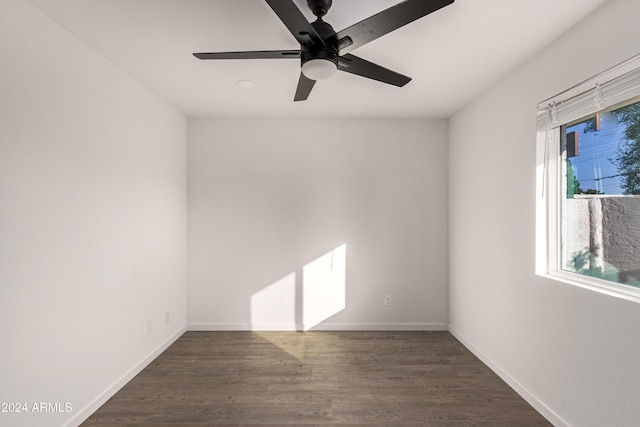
(319, 7)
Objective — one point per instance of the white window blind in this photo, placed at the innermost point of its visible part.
(616, 85)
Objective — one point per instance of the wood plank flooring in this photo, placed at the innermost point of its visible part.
(316, 378)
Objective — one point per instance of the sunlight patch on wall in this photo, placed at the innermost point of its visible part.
(274, 307)
(324, 287)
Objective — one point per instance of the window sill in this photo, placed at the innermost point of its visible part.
(611, 289)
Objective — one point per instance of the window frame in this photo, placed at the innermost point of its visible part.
(550, 183)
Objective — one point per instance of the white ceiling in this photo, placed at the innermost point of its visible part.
(453, 54)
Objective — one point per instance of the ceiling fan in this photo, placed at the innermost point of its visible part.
(323, 51)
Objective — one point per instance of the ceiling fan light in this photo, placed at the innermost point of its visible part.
(319, 69)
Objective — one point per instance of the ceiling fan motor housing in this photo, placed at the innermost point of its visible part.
(308, 54)
(327, 52)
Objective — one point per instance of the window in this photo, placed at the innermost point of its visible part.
(589, 177)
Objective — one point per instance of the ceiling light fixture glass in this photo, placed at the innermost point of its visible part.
(319, 68)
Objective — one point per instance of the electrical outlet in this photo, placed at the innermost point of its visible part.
(167, 317)
(149, 325)
(387, 300)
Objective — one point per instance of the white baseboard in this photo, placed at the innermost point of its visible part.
(100, 400)
(320, 327)
(242, 327)
(380, 327)
(523, 391)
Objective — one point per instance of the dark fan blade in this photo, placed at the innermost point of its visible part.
(384, 22)
(295, 21)
(354, 65)
(304, 88)
(258, 54)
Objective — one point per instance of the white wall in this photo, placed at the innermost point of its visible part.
(267, 197)
(92, 221)
(572, 352)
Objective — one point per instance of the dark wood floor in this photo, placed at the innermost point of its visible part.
(316, 378)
